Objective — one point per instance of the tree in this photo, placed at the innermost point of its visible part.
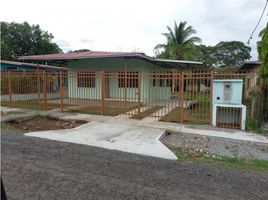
(78, 50)
(206, 55)
(180, 43)
(225, 54)
(22, 39)
(263, 52)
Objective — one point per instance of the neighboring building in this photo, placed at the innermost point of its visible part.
(22, 66)
(117, 63)
(53, 79)
(253, 68)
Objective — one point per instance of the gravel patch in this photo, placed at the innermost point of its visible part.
(216, 145)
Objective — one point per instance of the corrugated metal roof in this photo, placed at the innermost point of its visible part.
(253, 62)
(105, 54)
(80, 55)
(250, 63)
(180, 61)
(31, 64)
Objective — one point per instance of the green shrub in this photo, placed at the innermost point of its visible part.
(254, 125)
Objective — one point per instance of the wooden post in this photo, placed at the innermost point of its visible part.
(45, 90)
(192, 84)
(61, 91)
(102, 91)
(38, 85)
(9, 89)
(139, 93)
(246, 88)
(211, 97)
(181, 96)
(173, 81)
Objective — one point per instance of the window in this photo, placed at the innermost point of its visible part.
(162, 80)
(132, 79)
(86, 80)
(121, 79)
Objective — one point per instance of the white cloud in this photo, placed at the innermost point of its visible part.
(131, 25)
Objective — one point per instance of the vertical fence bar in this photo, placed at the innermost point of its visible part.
(181, 97)
(139, 93)
(61, 91)
(38, 86)
(211, 96)
(9, 89)
(125, 85)
(102, 92)
(45, 90)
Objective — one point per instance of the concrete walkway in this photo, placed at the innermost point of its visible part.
(154, 123)
(131, 135)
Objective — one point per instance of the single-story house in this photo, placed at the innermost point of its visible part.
(116, 65)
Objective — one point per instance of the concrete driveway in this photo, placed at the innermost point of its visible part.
(122, 137)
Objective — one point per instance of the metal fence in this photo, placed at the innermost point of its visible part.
(169, 95)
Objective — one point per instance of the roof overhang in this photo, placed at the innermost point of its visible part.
(178, 63)
(250, 64)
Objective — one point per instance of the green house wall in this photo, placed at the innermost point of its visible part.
(148, 92)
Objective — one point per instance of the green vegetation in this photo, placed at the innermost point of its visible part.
(200, 97)
(79, 50)
(254, 125)
(196, 113)
(15, 112)
(147, 112)
(263, 56)
(8, 127)
(195, 116)
(96, 110)
(180, 43)
(231, 54)
(221, 161)
(31, 104)
(21, 39)
(263, 52)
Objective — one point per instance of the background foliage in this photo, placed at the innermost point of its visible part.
(20, 39)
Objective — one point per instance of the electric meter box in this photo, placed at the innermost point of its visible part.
(227, 91)
(228, 110)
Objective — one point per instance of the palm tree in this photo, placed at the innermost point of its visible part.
(180, 45)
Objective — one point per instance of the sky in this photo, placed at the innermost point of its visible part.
(121, 25)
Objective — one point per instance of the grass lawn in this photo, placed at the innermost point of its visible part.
(96, 110)
(147, 112)
(8, 127)
(201, 97)
(221, 161)
(31, 104)
(194, 116)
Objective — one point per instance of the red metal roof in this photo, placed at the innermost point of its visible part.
(79, 55)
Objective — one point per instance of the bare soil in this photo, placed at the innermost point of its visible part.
(43, 123)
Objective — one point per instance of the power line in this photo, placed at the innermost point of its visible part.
(251, 35)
